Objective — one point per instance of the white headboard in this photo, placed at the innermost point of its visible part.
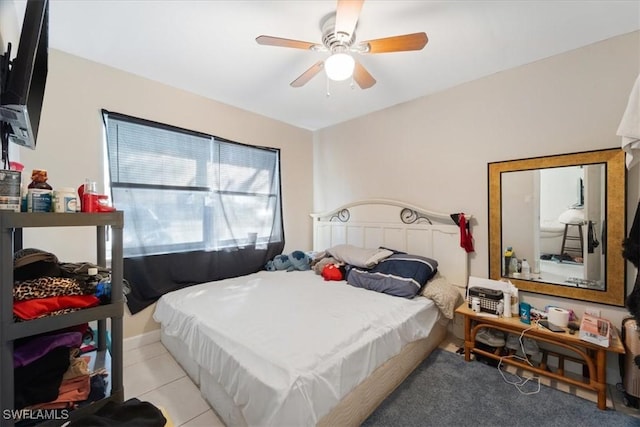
(396, 225)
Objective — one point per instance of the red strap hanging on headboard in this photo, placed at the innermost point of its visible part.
(466, 239)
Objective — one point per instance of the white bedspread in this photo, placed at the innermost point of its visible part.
(287, 346)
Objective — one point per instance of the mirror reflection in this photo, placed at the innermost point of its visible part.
(552, 225)
(565, 214)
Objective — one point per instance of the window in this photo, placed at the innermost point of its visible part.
(185, 191)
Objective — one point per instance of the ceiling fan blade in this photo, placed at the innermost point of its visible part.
(347, 15)
(415, 41)
(308, 75)
(277, 41)
(362, 76)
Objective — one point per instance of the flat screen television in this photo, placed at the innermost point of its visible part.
(24, 82)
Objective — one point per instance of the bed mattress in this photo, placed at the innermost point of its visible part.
(288, 346)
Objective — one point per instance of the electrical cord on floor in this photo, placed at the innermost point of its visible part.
(521, 381)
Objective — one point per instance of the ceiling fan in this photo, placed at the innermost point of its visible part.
(339, 38)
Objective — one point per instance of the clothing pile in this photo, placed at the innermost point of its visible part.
(131, 413)
(44, 287)
(51, 372)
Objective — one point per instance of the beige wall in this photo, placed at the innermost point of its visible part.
(433, 151)
(9, 29)
(70, 146)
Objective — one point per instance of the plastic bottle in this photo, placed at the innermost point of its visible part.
(507, 259)
(88, 194)
(507, 303)
(93, 279)
(525, 269)
(23, 200)
(475, 304)
(64, 200)
(515, 302)
(525, 313)
(39, 192)
(513, 268)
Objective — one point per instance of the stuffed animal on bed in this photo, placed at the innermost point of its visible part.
(279, 262)
(332, 272)
(297, 260)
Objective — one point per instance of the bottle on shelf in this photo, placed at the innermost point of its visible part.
(507, 303)
(515, 302)
(64, 200)
(525, 269)
(39, 192)
(513, 268)
(508, 253)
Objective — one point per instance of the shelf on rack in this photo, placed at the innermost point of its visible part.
(10, 240)
(45, 324)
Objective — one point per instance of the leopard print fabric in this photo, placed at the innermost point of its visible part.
(50, 314)
(44, 287)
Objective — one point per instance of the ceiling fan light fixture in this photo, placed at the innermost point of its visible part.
(339, 66)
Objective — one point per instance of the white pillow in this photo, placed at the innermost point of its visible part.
(359, 257)
(572, 216)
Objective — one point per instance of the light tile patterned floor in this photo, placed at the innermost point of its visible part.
(151, 374)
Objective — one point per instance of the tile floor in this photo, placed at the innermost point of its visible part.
(151, 374)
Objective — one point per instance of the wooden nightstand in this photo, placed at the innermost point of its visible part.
(593, 356)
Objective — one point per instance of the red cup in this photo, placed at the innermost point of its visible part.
(90, 202)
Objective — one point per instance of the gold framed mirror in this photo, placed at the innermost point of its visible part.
(566, 215)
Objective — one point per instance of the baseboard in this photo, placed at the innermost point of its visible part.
(141, 340)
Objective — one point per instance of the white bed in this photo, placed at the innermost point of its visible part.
(313, 352)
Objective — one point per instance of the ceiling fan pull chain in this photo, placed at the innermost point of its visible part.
(328, 88)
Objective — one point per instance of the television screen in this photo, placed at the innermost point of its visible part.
(23, 88)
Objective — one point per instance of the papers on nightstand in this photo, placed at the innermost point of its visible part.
(595, 330)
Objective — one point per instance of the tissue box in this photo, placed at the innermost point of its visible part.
(595, 330)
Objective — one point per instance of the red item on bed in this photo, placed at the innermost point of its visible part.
(38, 307)
(332, 272)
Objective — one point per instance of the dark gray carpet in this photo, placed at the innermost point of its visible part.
(447, 391)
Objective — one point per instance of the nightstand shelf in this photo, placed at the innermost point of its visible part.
(594, 357)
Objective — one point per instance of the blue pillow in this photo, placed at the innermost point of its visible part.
(401, 275)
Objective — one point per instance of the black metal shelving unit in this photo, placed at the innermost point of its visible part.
(10, 222)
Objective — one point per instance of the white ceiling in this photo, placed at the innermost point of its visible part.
(208, 46)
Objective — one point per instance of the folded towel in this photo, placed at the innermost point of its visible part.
(629, 128)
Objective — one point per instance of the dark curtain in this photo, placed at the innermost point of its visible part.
(153, 276)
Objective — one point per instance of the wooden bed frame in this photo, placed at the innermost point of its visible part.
(370, 224)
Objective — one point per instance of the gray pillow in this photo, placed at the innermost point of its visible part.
(358, 257)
